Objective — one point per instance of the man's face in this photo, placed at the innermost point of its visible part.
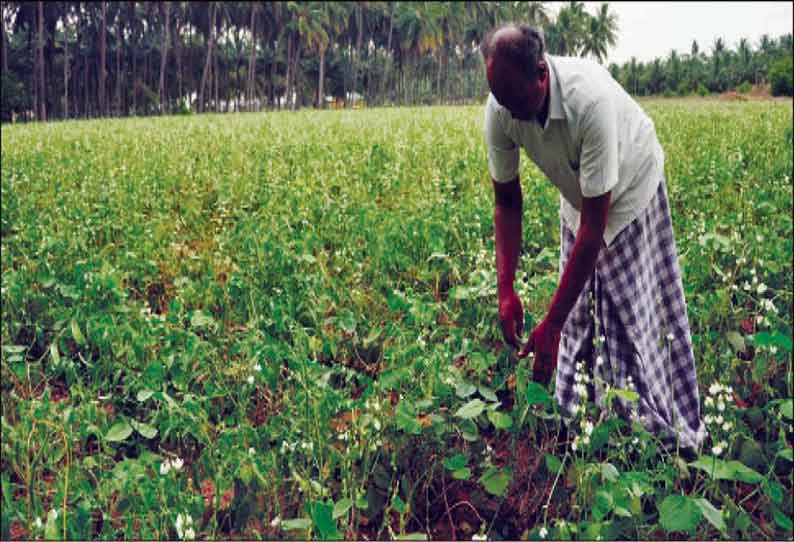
(524, 98)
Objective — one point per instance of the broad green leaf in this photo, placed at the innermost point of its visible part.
(553, 464)
(77, 335)
(411, 536)
(626, 395)
(500, 420)
(56, 356)
(774, 491)
(323, 520)
(603, 505)
(488, 393)
(295, 524)
(14, 348)
(361, 502)
(786, 453)
(399, 504)
(119, 432)
(341, 508)
(495, 481)
(537, 394)
(609, 472)
(786, 408)
(146, 430)
(470, 410)
(405, 418)
(736, 340)
(464, 389)
(727, 470)
(782, 519)
(462, 474)
(712, 514)
(457, 461)
(143, 395)
(679, 513)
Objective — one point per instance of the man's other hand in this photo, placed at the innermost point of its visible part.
(544, 342)
(511, 317)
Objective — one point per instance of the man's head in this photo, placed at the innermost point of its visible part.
(517, 73)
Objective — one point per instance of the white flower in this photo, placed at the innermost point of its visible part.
(574, 446)
(178, 525)
(708, 419)
(746, 286)
(190, 534)
(755, 279)
(176, 464)
(670, 337)
(599, 361)
(251, 379)
(257, 367)
(709, 402)
(717, 450)
(586, 439)
(276, 521)
(543, 532)
(479, 537)
(588, 427)
(251, 451)
(761, 288)
(718, 420)
(727, 426)
(165, 467)
(752, 271)
(773, 349)
(720, 406)
(714, 389)
(37, 523)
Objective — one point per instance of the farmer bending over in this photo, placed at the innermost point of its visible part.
(619, 307)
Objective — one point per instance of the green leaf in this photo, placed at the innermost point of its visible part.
(783, 521)
(736, 340)
(537, 394)
(51, 531)
(609, 472)
(679, 513)
(146, 430)
(341, 508)
(362, 503)
(786, 453)
(488, 393)
(500, 420)
(323, 520)
(405, 418)
(411, 536)
(470, 410)
(727, 470)
(462, 474)
(464, 389)
(712, 514)
(398, 504)
(626, 395)
(14, 348)
(774, 491)
(143, 395)
(56, 356)
(603, 505)
(77, 335)
(460, 293)
(200, 320)
(553, 464)
(457, 461)
(295, 524)
(495, 481)
(786, 408)
(119, 432)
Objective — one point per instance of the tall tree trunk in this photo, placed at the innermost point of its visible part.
(166, 7)
(216, 76)
(288, 82)
(178, 56)
(359, 37)
(42, 109)
(249, 87)
(102, 61)
(5, 45)
(295, 60)
(207, 66)
(119, 73)
(320, 89)
(65, 61)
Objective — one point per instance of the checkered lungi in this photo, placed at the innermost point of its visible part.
(640, 329)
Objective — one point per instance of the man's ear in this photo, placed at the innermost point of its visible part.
(543, 70)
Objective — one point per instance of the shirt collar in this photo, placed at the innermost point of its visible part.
(555, 96)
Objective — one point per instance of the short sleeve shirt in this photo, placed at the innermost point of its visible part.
(596, 139)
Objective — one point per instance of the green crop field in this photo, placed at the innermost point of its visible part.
(284, 325)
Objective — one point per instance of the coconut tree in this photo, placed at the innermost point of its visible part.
(601, 33)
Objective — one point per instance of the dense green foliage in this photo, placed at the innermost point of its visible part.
(285, 325)
(144, 58)
(781, 77)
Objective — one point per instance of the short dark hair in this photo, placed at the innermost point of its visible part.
(524, 52)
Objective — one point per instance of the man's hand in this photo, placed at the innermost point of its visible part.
(511, 317)
(544, 342)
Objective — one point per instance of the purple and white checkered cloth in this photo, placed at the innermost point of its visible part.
(630, 324)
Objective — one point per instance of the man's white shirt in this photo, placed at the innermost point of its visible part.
(596, 139)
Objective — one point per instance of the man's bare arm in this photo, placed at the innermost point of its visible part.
(508, 204)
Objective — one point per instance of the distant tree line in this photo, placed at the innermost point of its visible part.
(96, 59)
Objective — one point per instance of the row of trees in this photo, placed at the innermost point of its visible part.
(85, 59)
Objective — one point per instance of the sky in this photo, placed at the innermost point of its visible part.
(651, 29)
